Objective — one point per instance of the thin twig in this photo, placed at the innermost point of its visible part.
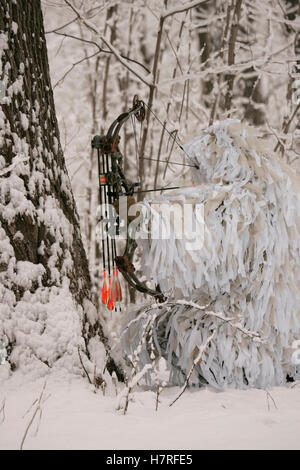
(135, 376)
(158, 390)
(195, 362)
(31, 406)
(269, 397)
(100, 49)
(117, 55)
(295, 385)
(81, 362)
(73, 66)
(279, 141)
(231, 51)
(2, 411)
(184, 8)
(38, 409)
(61, 27)
(287, 125)
(120, 59)
(221, 53)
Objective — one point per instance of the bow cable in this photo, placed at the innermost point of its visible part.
(170, 162)
(168, 132)
(135, 143)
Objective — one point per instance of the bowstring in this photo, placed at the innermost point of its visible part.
(140, 143)
(170, 162)
(136, 143)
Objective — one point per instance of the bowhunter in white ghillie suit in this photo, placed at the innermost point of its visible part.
(46, 311)
(248, 268)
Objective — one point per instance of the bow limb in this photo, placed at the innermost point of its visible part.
(127, 269)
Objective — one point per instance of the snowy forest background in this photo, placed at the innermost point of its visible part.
(192, 63)
(218, 59)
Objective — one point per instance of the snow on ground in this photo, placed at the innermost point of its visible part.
(76, 418)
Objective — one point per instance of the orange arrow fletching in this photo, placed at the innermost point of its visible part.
(110, 303)
(104, 290)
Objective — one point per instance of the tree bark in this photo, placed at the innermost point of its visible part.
(40, 241)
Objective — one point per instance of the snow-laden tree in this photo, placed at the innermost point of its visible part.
(45, 311)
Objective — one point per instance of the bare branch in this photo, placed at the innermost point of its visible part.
(231, 321)
(273, 131)
(73, 8)
(295, 385)
(231, 51)
(118, 56)
(287, 125)
(195, 362)
(72, 68)
(183, 8)
(61, 27)
(2, 411)
(40, 401)
(81, 362)
(135, 376)
(67, 35)
(269, 397)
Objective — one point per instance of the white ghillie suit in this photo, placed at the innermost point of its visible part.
(248, 267)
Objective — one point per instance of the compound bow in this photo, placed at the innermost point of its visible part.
(113, 185)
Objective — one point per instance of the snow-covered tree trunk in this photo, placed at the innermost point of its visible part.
(46, 312)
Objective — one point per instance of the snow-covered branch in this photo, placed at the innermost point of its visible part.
(112, 49)
(100, 49)
(195, 363)
(135, 376)
(220, 316)
(183, 8)
(72, 68)
(119, 57)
